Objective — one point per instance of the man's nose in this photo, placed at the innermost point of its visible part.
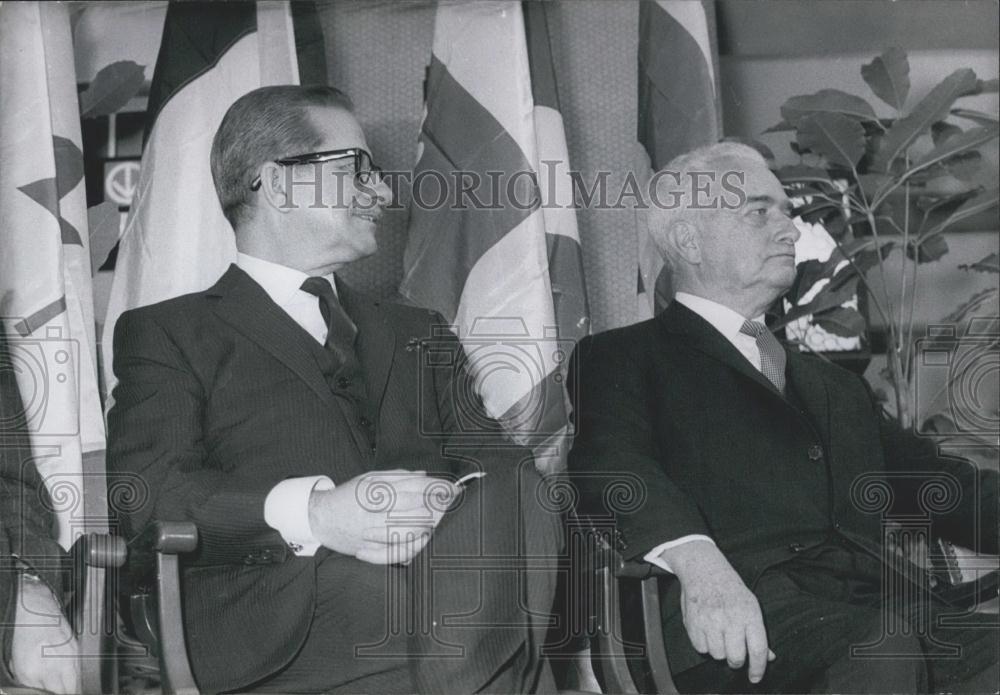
(789, 232)
(382, 192)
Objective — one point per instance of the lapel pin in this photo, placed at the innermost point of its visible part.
(413, 344)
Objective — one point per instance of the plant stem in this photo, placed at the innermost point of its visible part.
(904, 348)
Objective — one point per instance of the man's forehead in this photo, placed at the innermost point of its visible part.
(755, 178)
(338, 128)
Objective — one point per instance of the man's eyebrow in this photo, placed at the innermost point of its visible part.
(785, 204)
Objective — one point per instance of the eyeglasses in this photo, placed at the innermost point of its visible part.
(365, 172)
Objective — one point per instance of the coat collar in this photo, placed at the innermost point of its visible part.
(802, 376)
(376, 344)
(245, 305)
(699, 334)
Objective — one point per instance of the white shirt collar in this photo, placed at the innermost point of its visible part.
(723, 319)
(282, 284)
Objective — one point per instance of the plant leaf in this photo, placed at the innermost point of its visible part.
(835, 136)
(976, 116)
(990, 264)
(982, 87)
(871, 183)
(780, 127)
(965, 166)
(827, 101)
(957, 144)
(868, 258)
(981, 202)
(111, 89)
(888, 75)
(988, 86)
(932, 108)
(942, 130)
(842, 321)
(971, 305)
(832, 295)
(799, 172)
(928, 249)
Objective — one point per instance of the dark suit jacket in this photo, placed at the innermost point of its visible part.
(219, 398)
(718, 451)
(26, 524)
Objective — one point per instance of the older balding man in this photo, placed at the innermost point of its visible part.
(749, 452)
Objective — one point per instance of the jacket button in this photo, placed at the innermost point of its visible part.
(343, 382)
(250, 560)
(815, 452)
(796, 547)
(365, 422)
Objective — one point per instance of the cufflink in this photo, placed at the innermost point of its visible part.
(295, 547)
(412, 344)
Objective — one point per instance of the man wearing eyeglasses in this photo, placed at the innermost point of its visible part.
(287, 415)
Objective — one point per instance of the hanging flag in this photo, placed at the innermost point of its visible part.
(480, 239)
(562, 237)
(678, 109)
(46, 301)
(176, 239)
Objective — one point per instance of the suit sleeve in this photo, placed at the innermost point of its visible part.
(156, 444)
(614, 402)
(27, 532)
(973, 522)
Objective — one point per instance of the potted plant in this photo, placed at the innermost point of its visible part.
(883, 184)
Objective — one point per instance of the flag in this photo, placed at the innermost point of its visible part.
(46, 301)
(176, 239)
(562, 237)
(678, 109)
(501, 266)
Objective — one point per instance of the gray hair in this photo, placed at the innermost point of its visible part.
(672, 193)
(263, 125)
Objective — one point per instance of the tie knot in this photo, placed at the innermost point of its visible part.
(319, 287)
(754, 329)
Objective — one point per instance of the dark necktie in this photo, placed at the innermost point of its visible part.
(341, 331)
(772, 355)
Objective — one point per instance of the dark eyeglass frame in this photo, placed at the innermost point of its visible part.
(359, 154)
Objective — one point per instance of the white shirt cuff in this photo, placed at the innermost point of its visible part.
(286, 510)
(653, 556)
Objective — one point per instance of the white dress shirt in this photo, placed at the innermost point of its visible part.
(728, 323)
(286, 508)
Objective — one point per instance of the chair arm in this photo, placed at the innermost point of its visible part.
(639, 569)
(100, 550)
(158, 619)
(170, 537)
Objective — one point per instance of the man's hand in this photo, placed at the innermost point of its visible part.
(58, 669)
(721, 614)
(383, 518)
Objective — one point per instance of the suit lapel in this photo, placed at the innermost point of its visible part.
(245, 305)
(699, 334)
(376, 342)
(810, 387)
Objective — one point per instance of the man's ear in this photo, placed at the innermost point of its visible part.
(274, 186)
(684, 242)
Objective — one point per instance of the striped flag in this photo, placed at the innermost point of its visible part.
(562, 237)
(45, 274)
(176, 239)
(485, 253)
(678, 109)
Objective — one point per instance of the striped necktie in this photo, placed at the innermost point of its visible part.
(341, 331)
(772, 355)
